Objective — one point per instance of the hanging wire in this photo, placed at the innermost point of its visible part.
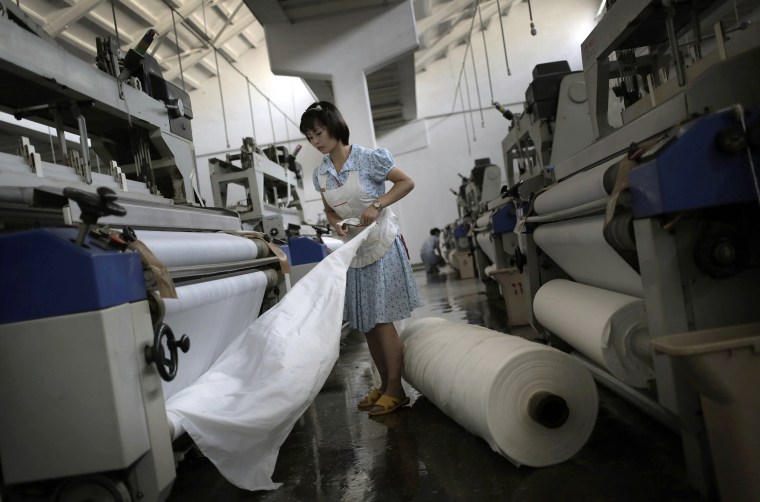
(250, 105)
(115, 26)
(503, 39)
(221, 96)
(464, 117)
(203, 9)
(532, 26)
(52, 149)
(477, 87)
(485, 48)
(469, 104)
(179, 55)
(226, 58)
(461, 71)
(287, 131)
(271, 121)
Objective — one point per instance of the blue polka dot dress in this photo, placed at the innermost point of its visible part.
(384, 291)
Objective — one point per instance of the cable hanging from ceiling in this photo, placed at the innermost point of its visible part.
(469, 103)
(485, 49)
(179, 55)
(533, 30)
(503, 39)
(477, 87)
(461, 71)
(203, 37)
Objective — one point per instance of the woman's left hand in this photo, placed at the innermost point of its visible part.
(368, 216)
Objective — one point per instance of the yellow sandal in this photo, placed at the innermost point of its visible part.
(370, 400)
(389, 404)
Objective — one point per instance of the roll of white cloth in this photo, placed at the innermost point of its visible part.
(533, 404)
(182, 249)
(582, 188)
(212, 314)
(241, 410)
(607, 327)
(578, 246)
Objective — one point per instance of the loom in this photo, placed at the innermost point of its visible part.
(120, 288)
(651, 228)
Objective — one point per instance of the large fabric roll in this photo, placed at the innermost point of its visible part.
(182, 249)
(533, 404)
(607, 327)
(578, 246)
(212, 314)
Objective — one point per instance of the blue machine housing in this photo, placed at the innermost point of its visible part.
(692, 173)
(503, 220)
(302, 250)
(46, 274)
(461, 230)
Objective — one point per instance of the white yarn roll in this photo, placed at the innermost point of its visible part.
(607, 327)
(182, 249)
(487, 382)
(578, 246)
(584, 187)
(485, 242)
(212, 314)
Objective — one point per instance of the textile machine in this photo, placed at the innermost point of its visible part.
(120, 288)
(652, 228)
(475, 190)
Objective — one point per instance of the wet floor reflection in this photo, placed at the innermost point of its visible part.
(461, 300)
(338, 453)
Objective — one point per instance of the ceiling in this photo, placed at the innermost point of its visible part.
(189, 30)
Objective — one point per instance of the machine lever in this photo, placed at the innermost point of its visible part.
(156, 354)
(512, 191)
(94, 206)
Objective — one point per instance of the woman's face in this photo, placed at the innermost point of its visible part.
(320, 139)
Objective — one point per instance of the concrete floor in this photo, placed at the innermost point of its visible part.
(336, 452)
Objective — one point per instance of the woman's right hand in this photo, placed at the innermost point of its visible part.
(334, 219)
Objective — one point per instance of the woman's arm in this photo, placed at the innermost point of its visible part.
(402, 185)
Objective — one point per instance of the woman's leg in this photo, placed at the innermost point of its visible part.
(376, 351)
(385, 348)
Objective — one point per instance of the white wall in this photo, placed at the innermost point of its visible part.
(434, 148)
(562, 26)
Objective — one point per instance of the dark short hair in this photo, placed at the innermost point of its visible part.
(434, 231)
(328, 115)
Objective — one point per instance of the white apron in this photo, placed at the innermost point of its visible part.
(349, 201)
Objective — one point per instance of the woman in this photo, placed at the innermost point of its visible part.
(380, 286)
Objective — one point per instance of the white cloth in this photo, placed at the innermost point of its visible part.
(240, 411)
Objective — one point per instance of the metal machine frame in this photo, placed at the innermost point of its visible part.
(679, 297)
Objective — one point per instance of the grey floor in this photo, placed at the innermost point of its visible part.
(336, 452)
